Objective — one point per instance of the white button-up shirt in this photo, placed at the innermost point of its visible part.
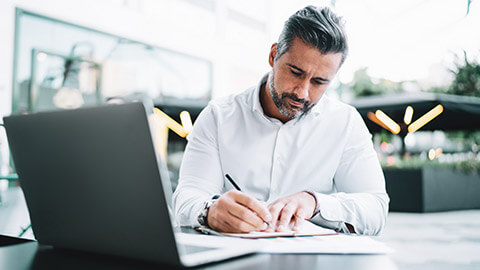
(328, 151)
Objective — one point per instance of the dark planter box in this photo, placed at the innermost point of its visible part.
(432, 189)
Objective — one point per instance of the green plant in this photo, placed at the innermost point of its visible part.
(363, 85)
(467, 77)
(467, 166)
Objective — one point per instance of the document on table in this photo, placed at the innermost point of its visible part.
(332, 244)
(306, 229)
(328, 244)
(315, 240)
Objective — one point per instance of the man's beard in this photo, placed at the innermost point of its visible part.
(284, 106)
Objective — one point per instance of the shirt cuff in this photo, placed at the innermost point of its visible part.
(330, 214)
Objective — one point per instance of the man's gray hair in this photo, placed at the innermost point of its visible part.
(319, 27)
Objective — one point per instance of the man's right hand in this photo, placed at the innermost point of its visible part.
(236, 212)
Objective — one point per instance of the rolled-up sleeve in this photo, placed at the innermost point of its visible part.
(200, 174)
(360, 198)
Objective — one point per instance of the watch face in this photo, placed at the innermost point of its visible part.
(202, 218)
(208, 204)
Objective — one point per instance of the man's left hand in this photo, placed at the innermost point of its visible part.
(294, 208)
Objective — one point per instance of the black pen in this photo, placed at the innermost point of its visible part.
(233, 182)
(230, 179)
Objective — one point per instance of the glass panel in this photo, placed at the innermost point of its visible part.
(62, 82)
(115, 67)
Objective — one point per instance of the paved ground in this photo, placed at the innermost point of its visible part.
(433, 241)
(445, 240)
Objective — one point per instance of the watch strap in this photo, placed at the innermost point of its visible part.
(202, 217)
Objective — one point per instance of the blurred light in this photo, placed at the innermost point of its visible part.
(410, 140)
(384, 146)
(392, 126)
(431, 154)
(390, 160)
(420, 122)
(162, 123)
(438, 152)
(186, 122)
(41, 56)
(408, 115)
(170, 123)
(374, 119)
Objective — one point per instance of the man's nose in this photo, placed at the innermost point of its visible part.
(301, 90)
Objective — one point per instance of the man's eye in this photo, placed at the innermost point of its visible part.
(295, 72)
(317, 82)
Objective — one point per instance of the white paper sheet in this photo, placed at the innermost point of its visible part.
(328, 244)
(306, 229)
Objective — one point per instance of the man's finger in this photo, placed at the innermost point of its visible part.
(225, 221)
(241, 226)
(275, 209)
(246, 215)
(299, 219)
(286, 216)
(254, 205)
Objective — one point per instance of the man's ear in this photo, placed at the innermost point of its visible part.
(273, 53)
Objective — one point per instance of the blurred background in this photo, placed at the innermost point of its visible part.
(413, 72)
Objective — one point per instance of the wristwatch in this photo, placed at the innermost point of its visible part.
(202, 217)
(317, 205)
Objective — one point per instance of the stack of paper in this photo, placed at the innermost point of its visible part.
(309, 239)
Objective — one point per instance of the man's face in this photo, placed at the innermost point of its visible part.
(300, 77)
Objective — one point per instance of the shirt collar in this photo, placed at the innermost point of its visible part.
(317, 109)
(257, 106)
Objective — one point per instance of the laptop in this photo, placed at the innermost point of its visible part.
(93, 182)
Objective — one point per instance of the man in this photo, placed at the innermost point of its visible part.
(295, 153)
